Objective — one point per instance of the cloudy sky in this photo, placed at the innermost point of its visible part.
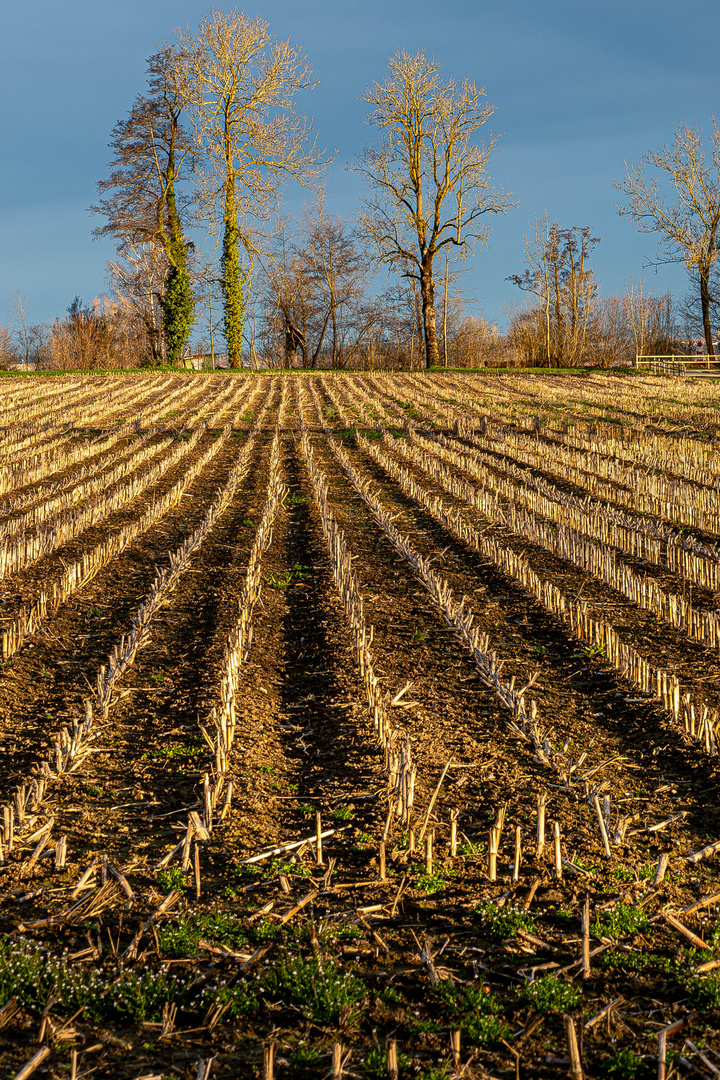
(580, 87)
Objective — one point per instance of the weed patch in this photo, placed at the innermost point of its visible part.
(550, 995)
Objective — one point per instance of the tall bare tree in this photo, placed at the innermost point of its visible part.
(428, 174)
(146, 201)
(681, 202)
(242, 84)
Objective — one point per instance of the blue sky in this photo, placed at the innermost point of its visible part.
(579, 87)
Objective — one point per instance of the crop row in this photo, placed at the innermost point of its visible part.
(72, 747)
(697, 721)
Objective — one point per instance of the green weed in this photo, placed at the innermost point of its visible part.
(499, 923)
(181, 938)
(305, 1056)
(551, 995)
(474, 1009)
(172, 879)
(621, 874)
(175, 750)
(705, 992)
(432, 883)
(620, 921)
(283, 866)
(624, 1065)
(589, 652)
(341, 813)
(240, 999)
(31, 976)
(286, 578)
(318, 989)
(375, 1065)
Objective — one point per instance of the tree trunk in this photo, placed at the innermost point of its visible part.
(316, 354)
(427, 290)
(178, 307)
(232, 283)
(705, 303)
(291, 350)
(334, 337)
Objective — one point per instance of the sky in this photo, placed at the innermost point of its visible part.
(580, 87)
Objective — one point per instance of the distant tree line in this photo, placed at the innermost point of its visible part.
(207, 150)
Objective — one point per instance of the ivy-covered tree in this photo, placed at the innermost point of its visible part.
(145, 195)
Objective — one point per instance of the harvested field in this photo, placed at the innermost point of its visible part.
(358, 723)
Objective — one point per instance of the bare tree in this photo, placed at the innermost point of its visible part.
(687, 220)
(428, 175)
(21, 310)
(289, 302)
(650, 319)
(207, 289)
(138, 277)
(559, 276)
(6, 350)
(336, 268)
(31, 338)
(242, 83)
